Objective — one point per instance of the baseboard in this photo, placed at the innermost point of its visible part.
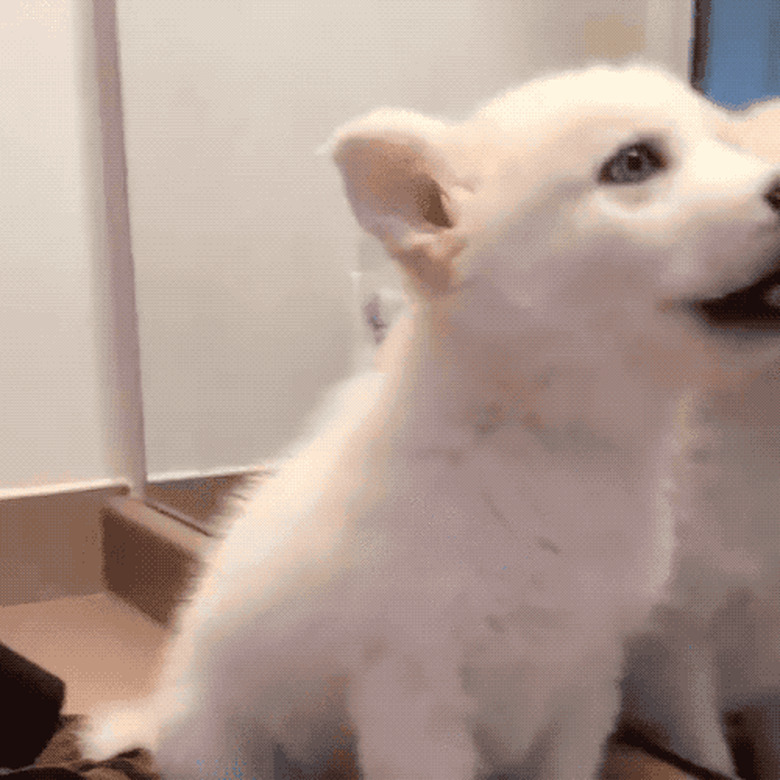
(153, 549)
(51, 543)
(198, 498)
(149, 558)
(93, 538)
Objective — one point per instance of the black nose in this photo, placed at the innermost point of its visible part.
(772, 195)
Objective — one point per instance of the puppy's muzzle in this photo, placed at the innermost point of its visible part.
(772, 196)
(757, 305)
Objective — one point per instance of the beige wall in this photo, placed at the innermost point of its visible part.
(52, 390)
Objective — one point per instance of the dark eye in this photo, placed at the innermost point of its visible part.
(632, 164)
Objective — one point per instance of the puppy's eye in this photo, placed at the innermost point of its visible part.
(632, 165)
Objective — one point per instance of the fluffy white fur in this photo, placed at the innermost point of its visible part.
(448, 567)
(714, 646)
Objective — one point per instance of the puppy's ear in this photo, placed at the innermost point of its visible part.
(401, 190)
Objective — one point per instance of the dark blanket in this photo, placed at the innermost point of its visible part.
(61, 760)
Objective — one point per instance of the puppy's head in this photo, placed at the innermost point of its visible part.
(593, 211)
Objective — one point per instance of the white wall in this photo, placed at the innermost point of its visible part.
(242, 240)
(53, 418)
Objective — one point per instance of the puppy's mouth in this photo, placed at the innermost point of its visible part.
(755, 306)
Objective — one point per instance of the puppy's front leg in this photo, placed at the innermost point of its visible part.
(412, 719)
(203, 745)
(585, 718)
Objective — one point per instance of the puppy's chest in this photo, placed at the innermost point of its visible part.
(487, 523)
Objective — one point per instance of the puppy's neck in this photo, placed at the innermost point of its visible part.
(457, 396)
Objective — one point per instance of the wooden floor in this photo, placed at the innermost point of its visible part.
(105, 650)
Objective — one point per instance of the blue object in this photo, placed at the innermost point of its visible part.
(743, 53)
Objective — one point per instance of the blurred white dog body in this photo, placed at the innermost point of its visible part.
(449, 566)
(713, 651)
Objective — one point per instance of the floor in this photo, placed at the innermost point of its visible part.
(102, 648)
(124, 650)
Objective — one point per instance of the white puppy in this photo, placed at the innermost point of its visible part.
(448, 567)
(711, 663)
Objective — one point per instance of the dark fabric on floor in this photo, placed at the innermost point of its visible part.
(33, 698)
(61, 760)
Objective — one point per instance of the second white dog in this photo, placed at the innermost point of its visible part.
(448, 567)
(712, 655)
